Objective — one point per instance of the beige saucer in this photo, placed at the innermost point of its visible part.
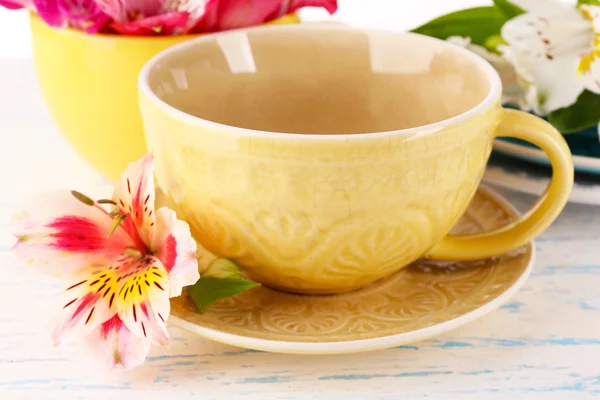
(422, 300)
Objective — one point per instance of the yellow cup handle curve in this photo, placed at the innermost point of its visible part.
(520, 125)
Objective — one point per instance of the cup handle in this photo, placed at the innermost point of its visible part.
(520, 125)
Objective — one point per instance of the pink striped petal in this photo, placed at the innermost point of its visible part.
(134, 195)
(133, 287)
(116, 346)
(223, 15)
(176, 249)
(63, 236)
(87, 304)
(143, 298)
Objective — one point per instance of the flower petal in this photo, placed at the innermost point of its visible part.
(16, 4)
(174, 23)
(131, 10)
(48, 10)
(117, 346)
(121, 11)
(60, 234)
(87, 304)
(222, 15)
(330, 6)
(544, 48)
(592, 13)
(143, 298)
(589, 66)
(542, 36)
(134, 287)
(134, 195)
(147, 17)
(83, 14)
(176, 249)
(544, 92)
(591, 77)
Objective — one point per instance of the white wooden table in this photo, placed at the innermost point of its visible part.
(543, 344)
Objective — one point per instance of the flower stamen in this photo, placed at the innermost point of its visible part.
(82, 198)
(132, 252)
(107, 201)
(588, 59)
(116, 222)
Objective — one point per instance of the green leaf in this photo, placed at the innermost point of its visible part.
(590, 2)
(585, 113)
(509, 9)
(478, 23)
(209, 290)
(224, 269)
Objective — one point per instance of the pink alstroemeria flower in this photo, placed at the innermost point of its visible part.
(152, 17)
(123, 261)
(222, 15)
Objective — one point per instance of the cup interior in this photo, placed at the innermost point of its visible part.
(319, 80)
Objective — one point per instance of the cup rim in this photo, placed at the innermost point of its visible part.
(493, 95)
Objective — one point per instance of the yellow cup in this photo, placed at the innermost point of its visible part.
(89, 83)
(322, 158)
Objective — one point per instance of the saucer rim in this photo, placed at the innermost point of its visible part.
(371, 344)
(359, 345)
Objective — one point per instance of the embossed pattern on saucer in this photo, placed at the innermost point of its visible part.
(420, 301)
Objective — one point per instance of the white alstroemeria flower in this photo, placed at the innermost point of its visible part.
(555, 49)
(512, 92)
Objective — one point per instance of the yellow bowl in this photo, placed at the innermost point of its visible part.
(89, 83)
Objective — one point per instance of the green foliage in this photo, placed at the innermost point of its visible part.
(483, 25)
(478, 23)
(590, 2)
(210, 290)
(222, 279)
(585, 113)
(509, 9)
(223, 268)
(493, 42)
